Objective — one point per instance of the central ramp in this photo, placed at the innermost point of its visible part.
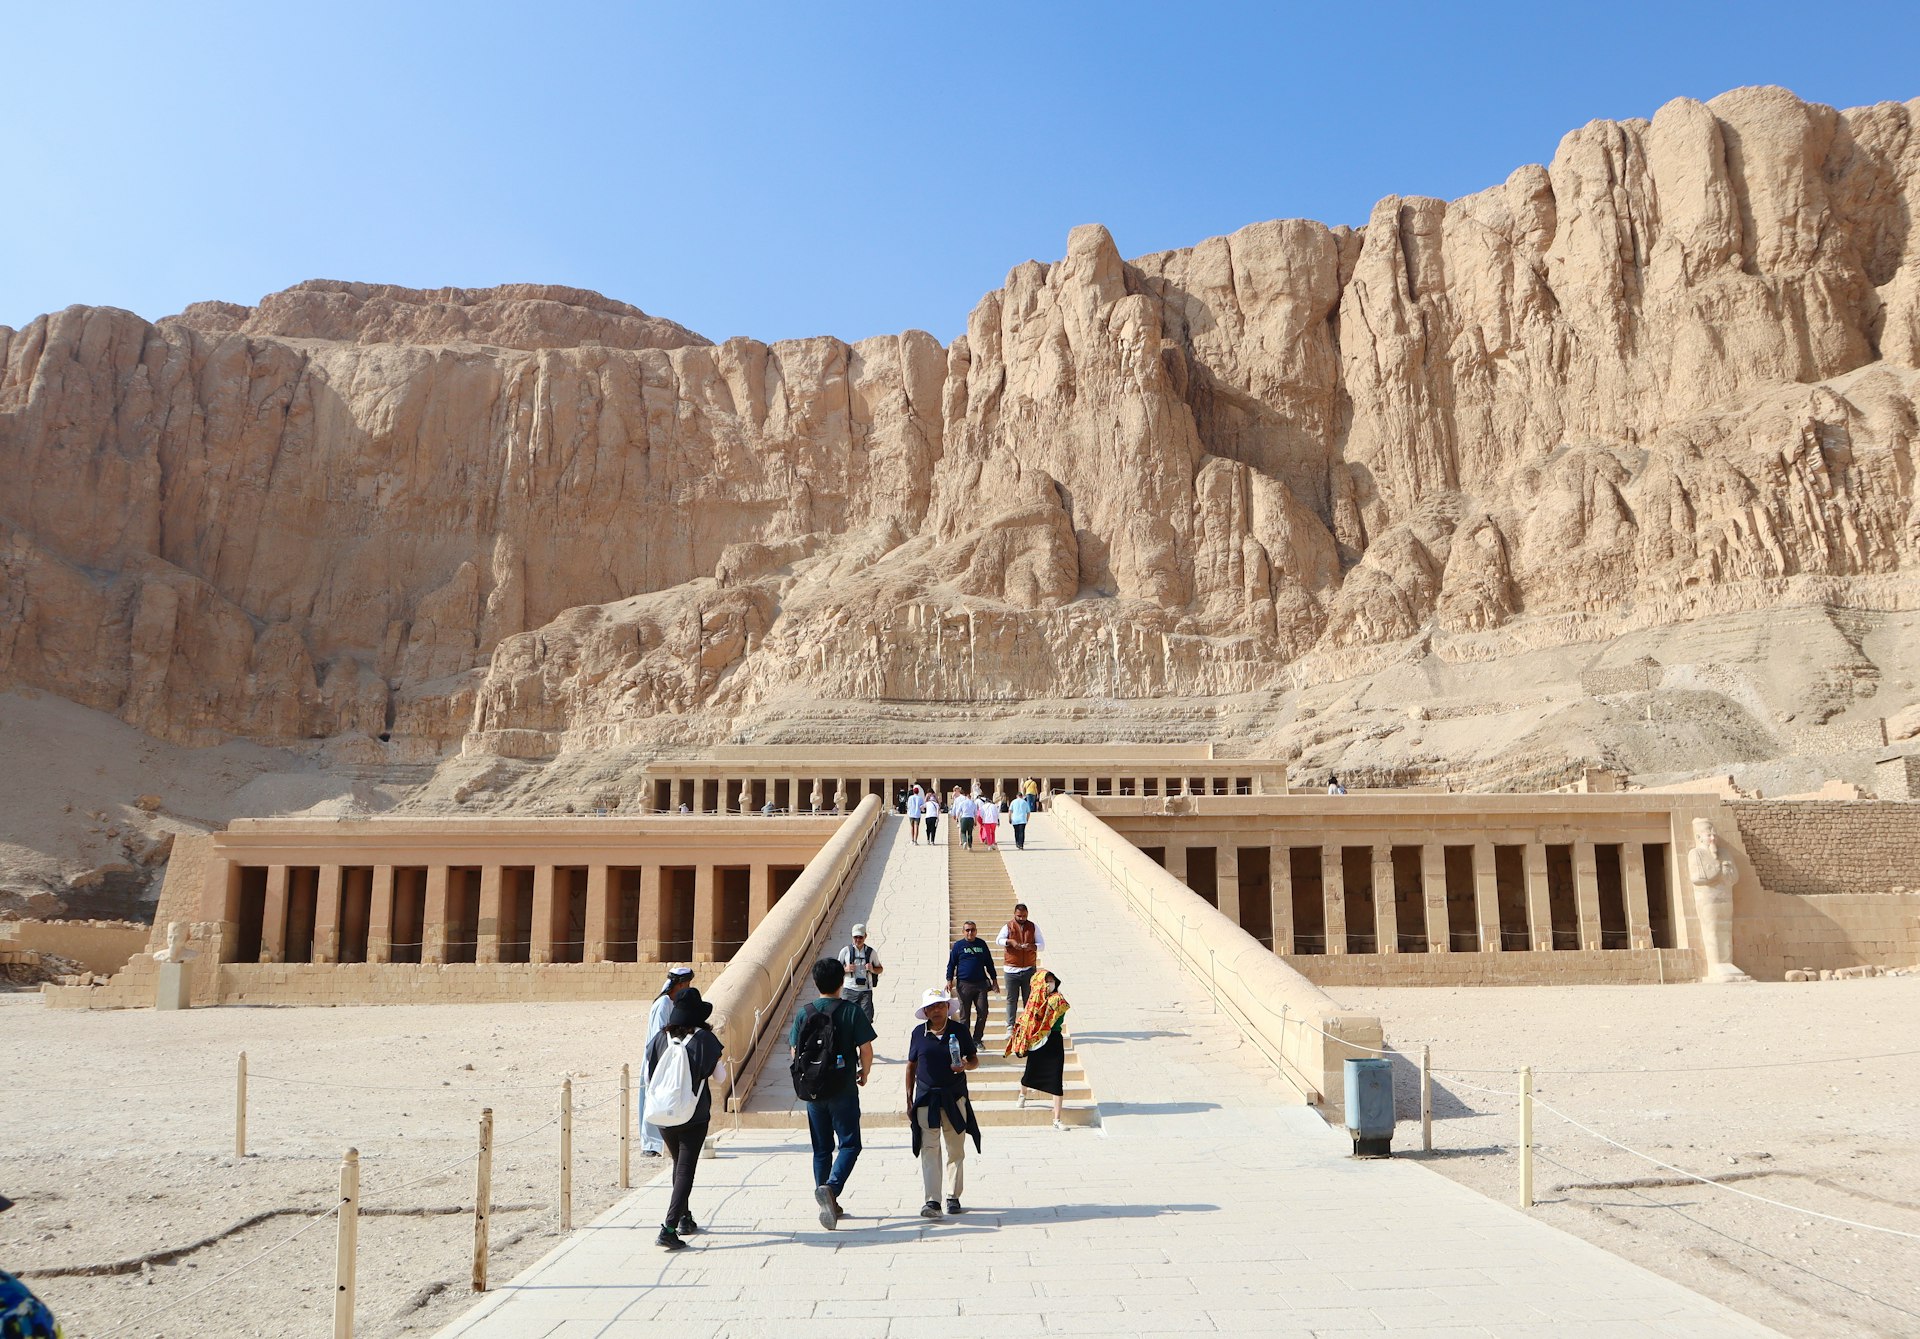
(1208, 1200)
(900, 895)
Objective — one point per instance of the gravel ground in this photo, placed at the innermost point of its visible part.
(120, 1143)
(1722, 1094)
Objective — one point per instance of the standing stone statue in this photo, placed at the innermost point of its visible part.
(817, 800)
(176, 974)
(1712, 876)
(744, 801)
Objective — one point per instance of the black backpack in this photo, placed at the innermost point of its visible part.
(817, 1066)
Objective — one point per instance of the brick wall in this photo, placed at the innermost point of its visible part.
(1821, 847)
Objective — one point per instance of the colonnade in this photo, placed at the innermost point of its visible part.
(1464, 895)
(497, 913)
(712, 791)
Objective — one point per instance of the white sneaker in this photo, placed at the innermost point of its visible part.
(1058, 1125)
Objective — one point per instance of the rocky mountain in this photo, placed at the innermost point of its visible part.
(1671, 374)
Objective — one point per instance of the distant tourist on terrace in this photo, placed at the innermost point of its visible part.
(1018, 815)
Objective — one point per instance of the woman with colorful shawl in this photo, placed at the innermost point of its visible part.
(1040, 1037)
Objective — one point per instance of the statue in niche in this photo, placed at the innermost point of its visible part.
(1712, 875)
(817, 800)
(744, 801)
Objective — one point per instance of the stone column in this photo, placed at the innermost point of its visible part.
(648, 931)
(488, 933)
(1176, 866)
(599, 915)
(759, 894)
(380, 916)
(1586, 883)
(1486, 898)
(1226, 879)
(327, 915)
(434, 920)
(706, 911)
(545, 940)
(273, 924)
(1633, 872)
(1386, 906)
(1539, 907)
(1280, 894)
(1333, 891)
(1433, 885)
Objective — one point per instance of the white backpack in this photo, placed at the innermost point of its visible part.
(671, 1099)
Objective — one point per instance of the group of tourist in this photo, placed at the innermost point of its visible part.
(831, 1047)
(977, 813)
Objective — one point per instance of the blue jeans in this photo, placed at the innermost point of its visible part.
(831, 1120)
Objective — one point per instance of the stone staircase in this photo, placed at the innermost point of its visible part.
(979, 890)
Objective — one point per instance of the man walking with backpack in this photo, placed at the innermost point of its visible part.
(832, 1055)
(863, 970)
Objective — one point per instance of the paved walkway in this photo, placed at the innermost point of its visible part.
(900, 895)
(1209, 1200)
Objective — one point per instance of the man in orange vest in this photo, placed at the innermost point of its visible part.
(1022, 942)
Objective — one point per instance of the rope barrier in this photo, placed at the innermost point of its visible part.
(425, 1087)
(1720, 1185)
(311, 1223)
(1698, 1069)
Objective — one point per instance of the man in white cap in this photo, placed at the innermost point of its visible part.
(652, 1143)
(863, 971)
(939, 1054)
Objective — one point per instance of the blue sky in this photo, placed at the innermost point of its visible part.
(794, 169)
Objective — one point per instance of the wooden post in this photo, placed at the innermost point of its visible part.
(566, 1155)
(1426, 1099)
(240, 1108)
(345, 1245)
(482, 1201)
(1526, 1137)
(626, 1126)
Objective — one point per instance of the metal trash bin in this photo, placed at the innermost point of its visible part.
(1370, 1107)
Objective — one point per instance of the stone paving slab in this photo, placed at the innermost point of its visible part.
(1209, 1201)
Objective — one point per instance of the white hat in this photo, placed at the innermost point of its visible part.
(860, 930)
(934, 995)
(676, 974)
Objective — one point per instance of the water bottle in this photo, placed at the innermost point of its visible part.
(953, 1048)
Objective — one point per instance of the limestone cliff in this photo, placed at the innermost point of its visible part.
(1672, 373)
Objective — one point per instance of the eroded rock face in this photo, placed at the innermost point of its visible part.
(1671, 373)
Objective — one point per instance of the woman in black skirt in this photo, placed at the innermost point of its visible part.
(1040, 1036)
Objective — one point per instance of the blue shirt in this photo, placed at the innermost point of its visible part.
(932, 1058)
(971, 960)
(1021, 811)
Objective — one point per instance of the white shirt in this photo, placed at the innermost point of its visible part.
(914, 803)
(873, 960)
(657, 1020)
(989, 812)
(931, 809)
(964, 807)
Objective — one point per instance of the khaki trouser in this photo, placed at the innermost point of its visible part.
(930, 1153)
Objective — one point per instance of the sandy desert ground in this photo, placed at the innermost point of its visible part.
(1806, 1094)
(119, 1143)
